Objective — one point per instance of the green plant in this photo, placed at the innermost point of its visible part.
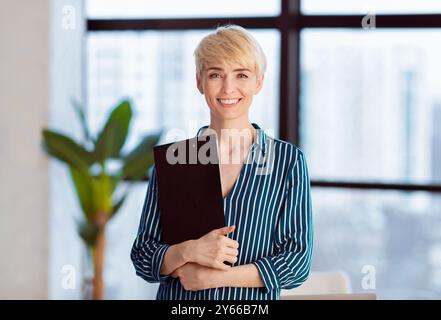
(95, 186)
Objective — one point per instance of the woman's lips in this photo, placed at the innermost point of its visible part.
(229, 105)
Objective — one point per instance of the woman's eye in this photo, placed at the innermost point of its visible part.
(214, 75)
(242, 75)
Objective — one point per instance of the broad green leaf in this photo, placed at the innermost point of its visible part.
(65, 149)
(137, 162)
(103, 187)
(83, 183)
(114, 134)
(82, 117)
(137, 168)
(146, 144)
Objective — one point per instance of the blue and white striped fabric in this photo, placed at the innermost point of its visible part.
(270, 204)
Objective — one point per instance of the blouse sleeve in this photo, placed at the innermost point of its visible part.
(148, 252)
(289, 266)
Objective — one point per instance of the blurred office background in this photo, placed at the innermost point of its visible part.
(356, 84)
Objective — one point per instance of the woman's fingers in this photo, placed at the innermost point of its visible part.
(225, 230)
(231, 252)
(230, 259)
(215, 247)
(231, 243)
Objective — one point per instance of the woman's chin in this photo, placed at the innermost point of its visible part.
(228, 113)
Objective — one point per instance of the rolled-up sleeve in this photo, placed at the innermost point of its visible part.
(148, 252)
(289, 266)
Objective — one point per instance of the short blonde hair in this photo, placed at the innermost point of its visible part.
(230, 44)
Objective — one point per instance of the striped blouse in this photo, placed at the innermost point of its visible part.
(270, 204)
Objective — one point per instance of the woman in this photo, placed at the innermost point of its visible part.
(268, 235)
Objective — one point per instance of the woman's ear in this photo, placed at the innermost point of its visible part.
(199, 83)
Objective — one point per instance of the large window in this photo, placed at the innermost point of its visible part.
(363, 102)
(377, 115)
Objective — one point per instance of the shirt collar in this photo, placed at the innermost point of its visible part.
(260, 140)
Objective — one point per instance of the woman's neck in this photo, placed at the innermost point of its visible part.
(234, 138)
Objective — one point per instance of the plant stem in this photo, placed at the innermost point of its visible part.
(98, 280)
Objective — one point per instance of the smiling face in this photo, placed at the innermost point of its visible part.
(228, 89)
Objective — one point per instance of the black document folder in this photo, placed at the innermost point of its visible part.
(190, 194)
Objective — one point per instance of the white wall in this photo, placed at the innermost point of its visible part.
(24, 186)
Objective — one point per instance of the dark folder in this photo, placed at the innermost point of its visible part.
(190, 194)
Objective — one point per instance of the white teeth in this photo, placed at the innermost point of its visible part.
(232, 101)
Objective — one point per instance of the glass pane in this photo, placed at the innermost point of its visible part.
(387, 242)
(106, 9)
(370, 6)
(371, 104)
(157, 71)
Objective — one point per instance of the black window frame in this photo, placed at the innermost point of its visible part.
(289, 23)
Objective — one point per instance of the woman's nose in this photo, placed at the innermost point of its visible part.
(228, 86)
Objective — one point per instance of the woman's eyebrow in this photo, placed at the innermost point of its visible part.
(243, 69)
(235, 70)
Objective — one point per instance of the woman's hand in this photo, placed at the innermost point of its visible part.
(195, 277)
(213, 249)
